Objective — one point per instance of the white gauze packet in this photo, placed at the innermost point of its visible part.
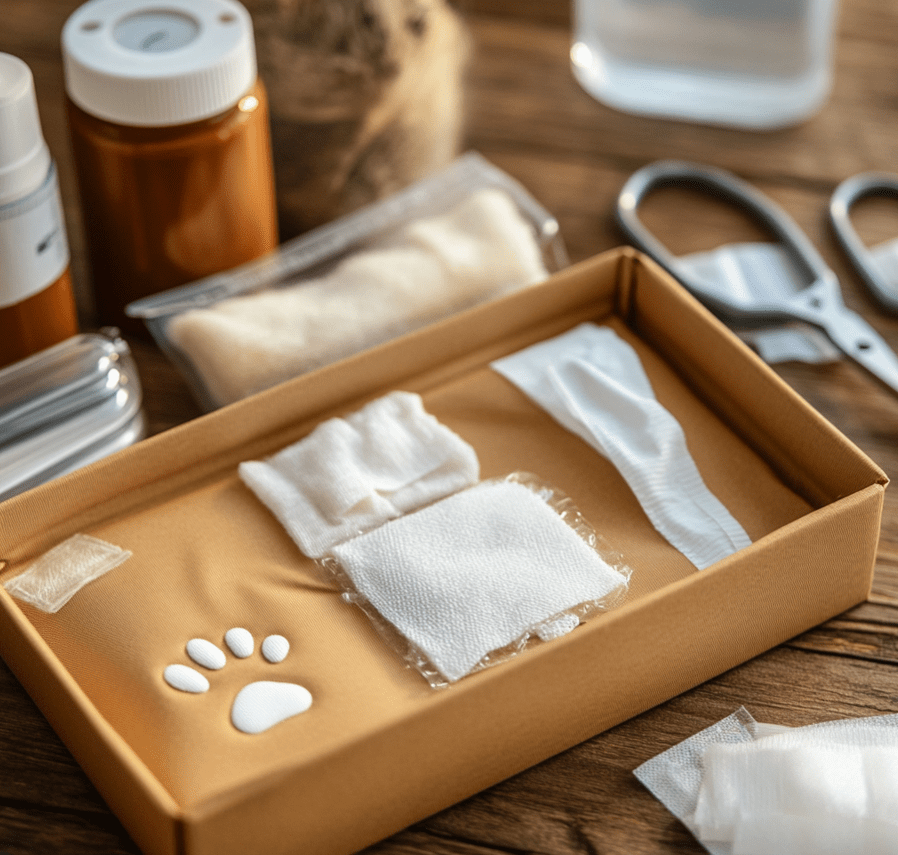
(426, 270)
(744, 788)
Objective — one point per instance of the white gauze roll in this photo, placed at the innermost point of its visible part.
(427, 270)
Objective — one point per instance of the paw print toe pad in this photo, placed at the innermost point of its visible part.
(185, 679)
(240, 641)
(205, 653)
(275, 648)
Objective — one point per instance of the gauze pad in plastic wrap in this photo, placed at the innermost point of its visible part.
(59, 574)
(476, 574)
(353, 473)
(425, 270)
(826, 789)
(593, 383)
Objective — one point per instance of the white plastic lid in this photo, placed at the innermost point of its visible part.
(24, 156)
(151, 64)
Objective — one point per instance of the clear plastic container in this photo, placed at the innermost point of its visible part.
(239, 332)
(65, 407)
(758, 64)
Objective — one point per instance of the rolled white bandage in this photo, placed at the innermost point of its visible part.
(59, 574)
(593, 383)
(351, 474)
(426, 270)
(476, 572)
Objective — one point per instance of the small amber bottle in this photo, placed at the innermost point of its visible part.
(37, 309)
(171, 139)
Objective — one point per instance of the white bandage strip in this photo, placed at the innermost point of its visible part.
(593, 383)
(59, 574)
(354, 473)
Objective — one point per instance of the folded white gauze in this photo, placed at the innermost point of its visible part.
(476, 572)
(427, 270)
(593, 383)
(351, 474)
(59, 574)
(821, 834)
(816, 776)
(825, 789)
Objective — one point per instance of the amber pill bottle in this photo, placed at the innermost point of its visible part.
(171, 141)
(37, 309)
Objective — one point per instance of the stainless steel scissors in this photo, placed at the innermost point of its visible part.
(883, 286)
(819, 303)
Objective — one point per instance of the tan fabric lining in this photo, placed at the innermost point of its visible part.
(213, 557)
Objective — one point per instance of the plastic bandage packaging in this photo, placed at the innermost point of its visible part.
(464, 236)
(745, 788)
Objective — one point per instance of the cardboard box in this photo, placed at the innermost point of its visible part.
(380, 749)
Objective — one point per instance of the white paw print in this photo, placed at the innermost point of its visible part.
(257, 706)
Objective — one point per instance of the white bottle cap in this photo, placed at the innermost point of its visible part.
(152, 64)
(24, 156)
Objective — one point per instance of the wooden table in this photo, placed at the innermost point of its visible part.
(528, 115)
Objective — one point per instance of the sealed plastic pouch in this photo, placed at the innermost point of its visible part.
(473, 579)
(461, 237)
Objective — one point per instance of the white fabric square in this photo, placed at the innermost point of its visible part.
(476, 572)
(351, 474)
(60, 573)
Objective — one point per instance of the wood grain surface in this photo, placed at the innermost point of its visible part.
(526, 114)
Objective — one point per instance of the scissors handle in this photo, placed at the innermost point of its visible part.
(852, 190)
(820, 303)
(721, 184)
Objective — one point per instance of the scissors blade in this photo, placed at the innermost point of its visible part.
(860, 342)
